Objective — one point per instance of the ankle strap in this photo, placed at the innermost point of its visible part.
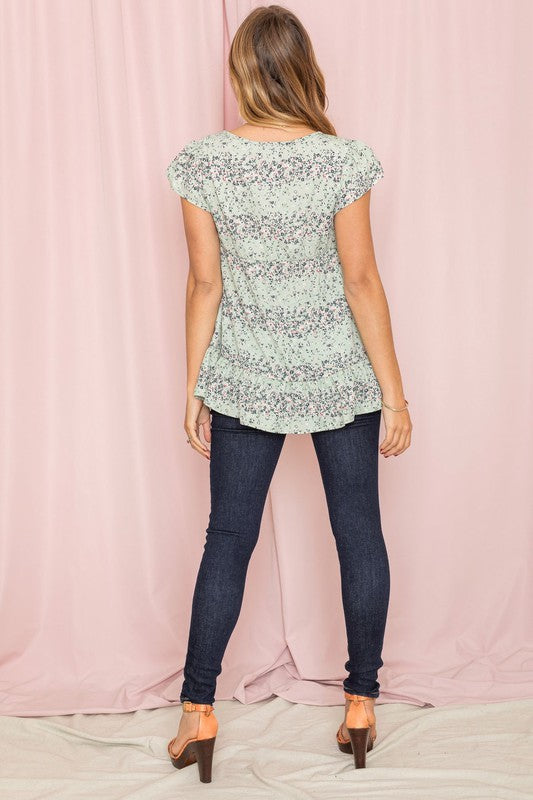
(188, 706)
(357, 698)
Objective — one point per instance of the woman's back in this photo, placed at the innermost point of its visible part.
(285, 355)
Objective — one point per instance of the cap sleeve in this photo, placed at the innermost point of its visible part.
(187, 175)
(361, 171)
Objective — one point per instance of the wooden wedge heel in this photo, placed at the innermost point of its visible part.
(200, 748)
(361, 727)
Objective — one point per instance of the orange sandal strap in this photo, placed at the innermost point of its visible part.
(340, 737)
(188, 706)
(357, 698)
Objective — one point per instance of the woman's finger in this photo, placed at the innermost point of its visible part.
(196, 442)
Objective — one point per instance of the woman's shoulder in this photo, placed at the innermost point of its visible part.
(198, 147)
(204, 141)
(351, 145)
(347, 149)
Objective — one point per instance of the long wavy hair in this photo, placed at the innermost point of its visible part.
(274, 72)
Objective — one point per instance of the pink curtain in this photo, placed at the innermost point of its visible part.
(104, 506)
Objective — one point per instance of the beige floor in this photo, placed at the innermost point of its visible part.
(274, 749)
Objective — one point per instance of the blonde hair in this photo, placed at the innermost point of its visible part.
(274, 72)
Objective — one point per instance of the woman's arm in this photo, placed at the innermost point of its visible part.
(366, 297)
(203, 296)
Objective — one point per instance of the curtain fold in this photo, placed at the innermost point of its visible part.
(103, 506)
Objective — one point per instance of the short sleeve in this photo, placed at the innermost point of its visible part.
(187, 175)
(361, 171)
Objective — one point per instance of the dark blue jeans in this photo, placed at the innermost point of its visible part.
(242, 463)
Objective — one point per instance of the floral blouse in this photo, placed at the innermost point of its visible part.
(285, 355)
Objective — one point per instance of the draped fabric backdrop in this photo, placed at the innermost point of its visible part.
(103, 504)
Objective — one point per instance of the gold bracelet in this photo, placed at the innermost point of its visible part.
(383, 403)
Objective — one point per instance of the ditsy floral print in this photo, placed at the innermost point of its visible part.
(286, 355)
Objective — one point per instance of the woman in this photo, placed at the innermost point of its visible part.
(276, 217)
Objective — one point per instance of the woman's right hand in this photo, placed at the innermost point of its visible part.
(198, 417)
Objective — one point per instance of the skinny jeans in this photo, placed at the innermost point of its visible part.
(242, 463)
